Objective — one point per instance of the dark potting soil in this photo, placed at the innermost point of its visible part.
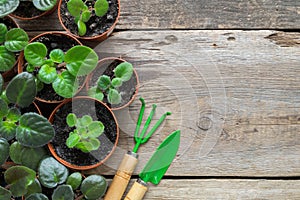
(54, 41)
(128, 88)
(96, 25)
(26, 9)
(83, 107)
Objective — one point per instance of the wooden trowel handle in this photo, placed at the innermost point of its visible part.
(122, 177)
(137, 191)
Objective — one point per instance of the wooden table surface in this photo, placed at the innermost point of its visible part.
(229, 71)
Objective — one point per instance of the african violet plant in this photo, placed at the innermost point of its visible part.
(9, 6)
(86, 133)
(83, 13)
(109, 87)
(11, 42)
(60, 69)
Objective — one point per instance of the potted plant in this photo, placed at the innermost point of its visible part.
(59, 65)
(114, 81)
(27, 10)
(86, 133)
(90, 20)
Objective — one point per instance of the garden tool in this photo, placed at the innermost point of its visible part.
(130, 160)
(156, 167)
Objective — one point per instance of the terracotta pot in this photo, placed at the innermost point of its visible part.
(45, 13)
(22, 60)
(101, 67)
(109, 139)
(100, 37)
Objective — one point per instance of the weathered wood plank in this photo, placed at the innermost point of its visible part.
(199, 14)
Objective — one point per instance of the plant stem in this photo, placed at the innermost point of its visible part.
(61, 65)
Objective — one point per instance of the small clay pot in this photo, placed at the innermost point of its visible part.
(100, 37)
(105, 66)
(75, 158)
(65, 38)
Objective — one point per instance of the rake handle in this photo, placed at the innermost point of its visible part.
(122, 177)
(137, 191)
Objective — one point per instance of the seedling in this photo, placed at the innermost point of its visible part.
(83, 13)
(58, 68)
(9, 6)
(109, 86)
(11, 42)
(86, 133)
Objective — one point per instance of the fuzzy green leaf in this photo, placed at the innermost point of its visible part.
(74, 180)
(44, 5)
(124, 71)
(4, 149)
(81, 60)
(65, 85)
(84, 146)
(103, 82)
(7, 59)
(75, 7)
(35, 53)
(114, 97)
(96, 128)
(96, 93)
(37, 196)
(30, 68)
(101, 7)
(63, 192)
(34, 130)
(116, 82)
(3, 108)
(8, 129)
(86, 15)
(1, 84)
(57, 55)
(86, 120)
(34, 188)
(71, 119)
(13, 114)
(93, 187)
(47, 74)
(15, 152)
(5, 194)
(95, 143)
(16, 39)
(52, 173)
(19, 178)
(72, 140)
(31, 157)
(21, 90)
(81, 28)
(8, 6)
(3, 31)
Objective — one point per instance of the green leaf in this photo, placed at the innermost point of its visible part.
(37, 196)
(4, 149)
(47, 74)
(93, 187)
(84, 146)
(35, 53)
(34, 130)
(30, 68)
(114, 97)
(95, 143)
(65, 85)
(7, 59)
(75, 7)
(52, 173)
(81, 60)
(71, 119)
(74, 180)
(81, 28)
(1, 84)
(101, 7)
(31, 157)
(124, 71)
(16, 39)
(15, 152)
(8, 129)
(96, 128)
(8, 6)
(3, 31)
(44, 5)
(103, 82)
(19, 178)
(116, 82)
(34, 188)
(39, 85)
(86, 15)
(5, 194)
(21, 90)
(96, 93)
(13, 115)
(57, 55)
(63, 192)
(86, 120)
(3, 108)
(72, 140)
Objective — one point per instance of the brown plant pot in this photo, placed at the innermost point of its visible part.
(65, 38)
(8, 75)
(38, 15)
(105, 66)
(75, 158)
(98, 37)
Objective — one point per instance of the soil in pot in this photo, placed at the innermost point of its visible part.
(97, 111)
(27, 10)
(96, 25)
(128, 89)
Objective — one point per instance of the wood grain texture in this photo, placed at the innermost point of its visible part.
(196, 14)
